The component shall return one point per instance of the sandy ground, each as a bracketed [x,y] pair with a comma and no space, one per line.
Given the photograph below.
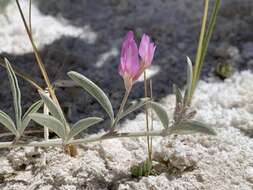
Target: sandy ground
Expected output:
[221,162]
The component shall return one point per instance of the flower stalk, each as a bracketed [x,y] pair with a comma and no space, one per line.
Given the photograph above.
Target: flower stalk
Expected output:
[121,109]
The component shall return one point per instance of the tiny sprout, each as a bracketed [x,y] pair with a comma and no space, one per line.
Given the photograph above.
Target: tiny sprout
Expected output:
[142,169]
[224,70]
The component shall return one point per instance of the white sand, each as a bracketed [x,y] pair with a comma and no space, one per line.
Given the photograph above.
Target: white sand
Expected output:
[222,162]
[13,38]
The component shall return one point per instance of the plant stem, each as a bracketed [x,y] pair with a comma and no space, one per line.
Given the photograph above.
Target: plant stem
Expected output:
[209,33]
[146,114]
[38,59]
[37,56]
[30,15]
[58,142]
[199,50]
[46,112]
[152,114]
[121,109]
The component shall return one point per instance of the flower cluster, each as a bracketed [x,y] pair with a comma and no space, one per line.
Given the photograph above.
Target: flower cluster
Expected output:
[131,67]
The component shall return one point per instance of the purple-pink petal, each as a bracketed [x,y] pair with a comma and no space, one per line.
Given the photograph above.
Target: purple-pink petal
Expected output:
[129,61]
[146,50]
[151,51]
[132,60]
[143,49]
[127,39]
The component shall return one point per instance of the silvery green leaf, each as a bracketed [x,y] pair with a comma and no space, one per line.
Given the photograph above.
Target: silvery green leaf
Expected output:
[179,94]
[82,125]
[15,93]
[93,90]
[7,122]
[50,122]
[54,109]
[161,113]
[189,80]
[134,106]
[190,127]
[26,119]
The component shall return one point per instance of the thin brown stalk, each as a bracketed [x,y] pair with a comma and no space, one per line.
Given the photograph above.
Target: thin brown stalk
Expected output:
[30,16]
[39,60]
[37,56]
[152,115]
[146,114]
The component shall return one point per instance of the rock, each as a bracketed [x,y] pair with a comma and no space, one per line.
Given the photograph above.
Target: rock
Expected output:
[249,174]
[250,64]
[247,50]
[118,157]
[227,51]
[178,154]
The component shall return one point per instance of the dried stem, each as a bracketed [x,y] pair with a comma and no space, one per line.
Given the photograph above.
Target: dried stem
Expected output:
[46,112]
[152,115]
[30,16]
[146,114]
[37,56]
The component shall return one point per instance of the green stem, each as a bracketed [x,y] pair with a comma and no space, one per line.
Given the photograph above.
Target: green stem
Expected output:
[209,33]
[121,109]
[198,55]
[58,142]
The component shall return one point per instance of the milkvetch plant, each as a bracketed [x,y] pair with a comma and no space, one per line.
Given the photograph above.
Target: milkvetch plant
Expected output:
[134,61]
[130,70]
[182,121]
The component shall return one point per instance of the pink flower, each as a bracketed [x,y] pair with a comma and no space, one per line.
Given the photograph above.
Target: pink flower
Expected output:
[129,61]
[146,51]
